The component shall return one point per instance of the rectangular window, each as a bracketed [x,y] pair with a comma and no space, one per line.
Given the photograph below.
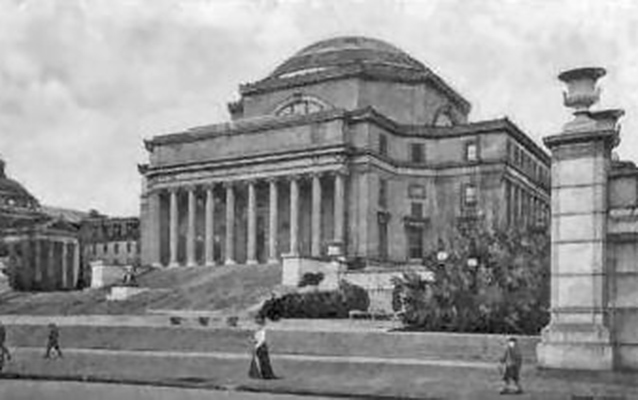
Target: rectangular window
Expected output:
[383,144]
[128,247]
[105,247]
[415,242]
[416,210]
[469,195]
[383,193]
[471,151]
[116,248]
[416,191]
[417,153]
[383,237]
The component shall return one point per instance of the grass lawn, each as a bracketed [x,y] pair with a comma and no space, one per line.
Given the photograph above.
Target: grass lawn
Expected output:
[231,288]
[321,377]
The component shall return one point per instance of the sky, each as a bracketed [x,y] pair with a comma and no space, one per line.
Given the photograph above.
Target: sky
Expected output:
[83,82]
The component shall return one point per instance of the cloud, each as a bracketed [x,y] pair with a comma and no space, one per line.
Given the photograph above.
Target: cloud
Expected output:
[84,81]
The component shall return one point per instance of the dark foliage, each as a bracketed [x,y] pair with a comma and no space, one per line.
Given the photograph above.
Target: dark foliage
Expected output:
[506,292]
[311,279]
[328,304]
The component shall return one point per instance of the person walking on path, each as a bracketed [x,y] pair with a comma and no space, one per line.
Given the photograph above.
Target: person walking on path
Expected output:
[512,361]
[4,352]
[53,341]
[260,367]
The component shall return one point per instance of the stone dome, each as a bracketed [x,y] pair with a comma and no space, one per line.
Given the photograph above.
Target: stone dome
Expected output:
[12,193]
[345,51]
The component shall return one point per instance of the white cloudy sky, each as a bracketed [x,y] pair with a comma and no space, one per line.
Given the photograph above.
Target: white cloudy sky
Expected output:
[83,82]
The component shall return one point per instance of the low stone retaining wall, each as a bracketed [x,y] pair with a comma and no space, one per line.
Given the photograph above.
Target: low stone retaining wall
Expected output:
[342,343]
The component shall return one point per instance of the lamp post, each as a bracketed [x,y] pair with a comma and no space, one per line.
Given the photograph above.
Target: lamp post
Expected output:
[441,254]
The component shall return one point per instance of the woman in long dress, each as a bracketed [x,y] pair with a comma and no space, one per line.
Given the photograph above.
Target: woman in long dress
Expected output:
[260,367]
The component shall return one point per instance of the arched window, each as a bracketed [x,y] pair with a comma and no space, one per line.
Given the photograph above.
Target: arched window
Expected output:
[300,105]
[444,117]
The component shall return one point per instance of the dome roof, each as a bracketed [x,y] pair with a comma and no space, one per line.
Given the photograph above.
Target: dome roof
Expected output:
[11,189]
[343,51]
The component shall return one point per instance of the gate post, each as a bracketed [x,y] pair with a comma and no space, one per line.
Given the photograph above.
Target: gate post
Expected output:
[578,335]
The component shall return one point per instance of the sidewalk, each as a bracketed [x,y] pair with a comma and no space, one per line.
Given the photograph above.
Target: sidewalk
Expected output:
[359,377]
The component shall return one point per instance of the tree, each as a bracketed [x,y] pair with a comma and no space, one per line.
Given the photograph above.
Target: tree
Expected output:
[505,291]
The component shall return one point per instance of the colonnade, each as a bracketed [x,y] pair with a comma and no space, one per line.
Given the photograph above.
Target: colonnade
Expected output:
[46,270]
[230,188]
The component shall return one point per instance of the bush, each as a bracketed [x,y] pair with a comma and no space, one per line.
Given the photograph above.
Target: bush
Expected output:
[311,279]
[508,292]
[328,304]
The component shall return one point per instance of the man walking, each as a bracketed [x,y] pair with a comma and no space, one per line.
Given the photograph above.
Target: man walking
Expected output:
[53,342]
[4,352]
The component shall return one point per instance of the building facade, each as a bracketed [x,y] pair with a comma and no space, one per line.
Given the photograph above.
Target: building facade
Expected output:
[350,140]
[114,240]
[41,252]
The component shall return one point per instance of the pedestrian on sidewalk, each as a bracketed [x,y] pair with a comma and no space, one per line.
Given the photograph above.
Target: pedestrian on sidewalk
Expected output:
[53,341]
[511,363]
[4,352]
[260,367]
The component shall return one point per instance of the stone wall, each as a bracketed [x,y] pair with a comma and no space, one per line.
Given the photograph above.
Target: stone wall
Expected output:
[622,259]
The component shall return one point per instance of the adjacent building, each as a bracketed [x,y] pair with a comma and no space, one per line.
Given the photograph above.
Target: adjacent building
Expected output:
[349,141]
[41,252]
[113,240]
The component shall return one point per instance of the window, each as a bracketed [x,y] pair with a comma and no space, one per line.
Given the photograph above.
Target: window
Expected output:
[303,106]
[471,151]
[116,248]
[469,195]
[382,225]
[415,241]
[128,247]
[416,210]
[416,191]
[417,153]
[383,144]
[383,193]
[105,248]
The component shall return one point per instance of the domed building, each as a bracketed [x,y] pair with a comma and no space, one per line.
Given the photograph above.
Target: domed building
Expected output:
[16,203]
[350,142]
[41,252]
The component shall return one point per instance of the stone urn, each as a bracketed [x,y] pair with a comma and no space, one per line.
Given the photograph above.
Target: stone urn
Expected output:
[582,91]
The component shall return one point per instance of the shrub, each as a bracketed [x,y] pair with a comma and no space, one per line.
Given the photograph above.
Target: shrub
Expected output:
[508,292]
[326,304]
[311,279]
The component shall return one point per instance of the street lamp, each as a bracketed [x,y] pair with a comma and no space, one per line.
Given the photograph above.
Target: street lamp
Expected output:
[441,254]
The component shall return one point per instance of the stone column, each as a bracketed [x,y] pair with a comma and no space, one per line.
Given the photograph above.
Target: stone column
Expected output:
[251,257]
[190,232]
[315,249]
[65,265]
[230,221]
[294,216]
[578,335]
[209,244]
[173,228]
[150,228]
[38,262]
[51,267]
[272,224]
[339,202]
[76,264]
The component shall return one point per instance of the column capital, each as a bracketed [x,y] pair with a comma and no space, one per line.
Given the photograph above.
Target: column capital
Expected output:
[209,186]
[340,172]
[173,189]
[273,179]
[229,184]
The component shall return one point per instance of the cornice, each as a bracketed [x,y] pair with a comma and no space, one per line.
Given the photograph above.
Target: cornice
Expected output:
[244,126]
[609,136]
[362,71]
